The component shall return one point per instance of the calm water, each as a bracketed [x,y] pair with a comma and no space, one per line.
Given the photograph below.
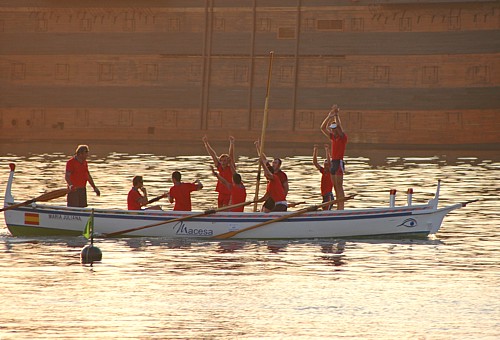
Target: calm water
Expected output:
[446,287]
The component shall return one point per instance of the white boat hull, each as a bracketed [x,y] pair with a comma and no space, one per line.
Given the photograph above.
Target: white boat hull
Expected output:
[44,220]
[48,220]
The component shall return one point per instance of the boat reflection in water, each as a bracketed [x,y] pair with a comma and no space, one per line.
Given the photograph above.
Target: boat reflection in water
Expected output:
[334,252]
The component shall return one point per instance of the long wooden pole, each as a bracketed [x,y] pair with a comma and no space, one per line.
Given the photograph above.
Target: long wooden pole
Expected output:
[264,127]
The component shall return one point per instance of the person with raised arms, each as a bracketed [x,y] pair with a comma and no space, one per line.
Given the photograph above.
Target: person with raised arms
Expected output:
[275,197]
[332,129]
[223,165]
[237,188]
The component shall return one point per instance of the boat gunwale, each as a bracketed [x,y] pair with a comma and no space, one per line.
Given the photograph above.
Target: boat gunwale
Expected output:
[156,215]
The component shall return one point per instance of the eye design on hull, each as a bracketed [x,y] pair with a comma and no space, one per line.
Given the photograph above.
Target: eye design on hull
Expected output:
[409,223]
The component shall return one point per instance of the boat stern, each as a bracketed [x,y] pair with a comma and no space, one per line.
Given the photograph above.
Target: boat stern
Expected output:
[8,193]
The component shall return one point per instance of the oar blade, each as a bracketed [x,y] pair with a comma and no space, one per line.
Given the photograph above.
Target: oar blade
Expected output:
[42,198]
[51,195]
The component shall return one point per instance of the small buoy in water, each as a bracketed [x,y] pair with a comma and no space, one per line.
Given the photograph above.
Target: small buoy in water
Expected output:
[90,254]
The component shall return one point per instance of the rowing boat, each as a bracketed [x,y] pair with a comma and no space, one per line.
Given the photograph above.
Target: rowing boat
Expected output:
[35,219]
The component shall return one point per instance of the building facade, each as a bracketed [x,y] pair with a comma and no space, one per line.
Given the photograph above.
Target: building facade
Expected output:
[412,73]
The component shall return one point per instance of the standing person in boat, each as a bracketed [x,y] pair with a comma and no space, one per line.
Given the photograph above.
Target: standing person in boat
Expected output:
[223,164]
[180,192]
[237,188]
[332,128]
[326,179]
[77,176]
[136,200]
[275,197]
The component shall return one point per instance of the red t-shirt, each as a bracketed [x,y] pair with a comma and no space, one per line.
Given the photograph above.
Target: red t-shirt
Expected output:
[338,146]
[238,195]
[275,189]
[181,193]
[79,172]
[282,176]
[326,181]
[132,199]
[227,174]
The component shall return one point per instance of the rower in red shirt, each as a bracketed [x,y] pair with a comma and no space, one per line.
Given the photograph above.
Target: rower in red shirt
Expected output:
[136,200]
[275,197]
[180,192]
[326,179]
[236,187]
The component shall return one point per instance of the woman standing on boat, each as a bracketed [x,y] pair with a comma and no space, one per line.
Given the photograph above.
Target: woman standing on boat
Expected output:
[77,176]
[332,129]
[223,163]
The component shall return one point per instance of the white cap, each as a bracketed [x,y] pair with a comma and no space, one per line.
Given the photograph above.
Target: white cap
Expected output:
[333,126]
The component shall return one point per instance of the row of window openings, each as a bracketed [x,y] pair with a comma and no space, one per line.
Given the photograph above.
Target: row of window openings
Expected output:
[306,119]
[381,74]
[263,25]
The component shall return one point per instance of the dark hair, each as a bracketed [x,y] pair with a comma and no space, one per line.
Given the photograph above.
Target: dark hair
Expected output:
[176,175]
[279,160]
[237,178]
[136,180]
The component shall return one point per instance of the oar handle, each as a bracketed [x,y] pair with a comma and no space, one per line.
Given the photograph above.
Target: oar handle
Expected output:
[467,202]
[237,205]
[155,199]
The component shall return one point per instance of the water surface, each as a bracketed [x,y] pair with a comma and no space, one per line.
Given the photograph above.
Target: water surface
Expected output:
[445,287]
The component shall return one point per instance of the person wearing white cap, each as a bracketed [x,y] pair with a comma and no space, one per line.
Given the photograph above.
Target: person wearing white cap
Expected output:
[332,129]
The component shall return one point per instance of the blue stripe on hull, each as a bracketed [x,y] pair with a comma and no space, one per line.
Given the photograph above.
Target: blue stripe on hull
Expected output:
[226,219]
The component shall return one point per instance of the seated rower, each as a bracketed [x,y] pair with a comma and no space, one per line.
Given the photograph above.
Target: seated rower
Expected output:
[326,179]
[180,192]
[136,200]
[275,196]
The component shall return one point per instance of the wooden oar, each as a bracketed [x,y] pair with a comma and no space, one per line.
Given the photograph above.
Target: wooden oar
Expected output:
[293,205]
[155,199]
[203,213]
[42,198]
[264,125]
[281,218]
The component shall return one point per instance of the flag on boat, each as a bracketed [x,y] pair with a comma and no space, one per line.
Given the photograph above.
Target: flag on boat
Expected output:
[30,218]
[89,227]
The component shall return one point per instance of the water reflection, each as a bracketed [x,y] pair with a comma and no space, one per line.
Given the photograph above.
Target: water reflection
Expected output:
[276,246]
[334,253]
[230,246]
